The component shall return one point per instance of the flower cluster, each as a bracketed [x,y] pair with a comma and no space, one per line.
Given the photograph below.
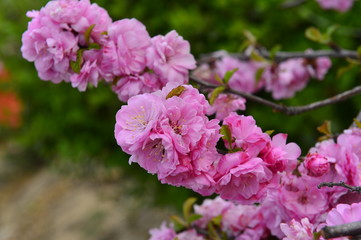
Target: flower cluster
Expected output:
[292,207]
[168,134]
[76,41]
[283,80]
[338,5]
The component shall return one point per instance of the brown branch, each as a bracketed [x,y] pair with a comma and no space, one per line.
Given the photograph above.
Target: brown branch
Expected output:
[349,229]
[341,184]
[282,56]
[288,110]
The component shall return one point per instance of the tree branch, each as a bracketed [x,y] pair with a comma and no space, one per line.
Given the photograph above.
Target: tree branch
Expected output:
[348,229]
[288,110]
[341,184]
[282,56]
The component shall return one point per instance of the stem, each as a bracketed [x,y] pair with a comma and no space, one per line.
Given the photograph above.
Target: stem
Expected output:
[288,110]
[348,229]
[341,184]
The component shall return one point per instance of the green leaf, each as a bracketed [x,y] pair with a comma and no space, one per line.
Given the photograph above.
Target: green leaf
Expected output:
[341,71]
[226,132]
[325,128]
[217,220]
[188,207]
[235,150]
[256,57]
[357,122]
[313,34]
[250,37]
[215,93]
[76,65]
[218,78]
[194,217]
[88,32]
[178,222]
[269,132]
[94,46]
[213,232]
[228,75]
[176,92]
[330,30]
[259,74]
[317,235]
[274,51]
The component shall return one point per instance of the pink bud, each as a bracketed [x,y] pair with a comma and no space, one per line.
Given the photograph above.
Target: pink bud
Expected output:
[316,164]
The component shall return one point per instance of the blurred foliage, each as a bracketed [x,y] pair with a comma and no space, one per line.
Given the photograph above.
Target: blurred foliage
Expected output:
[61,123]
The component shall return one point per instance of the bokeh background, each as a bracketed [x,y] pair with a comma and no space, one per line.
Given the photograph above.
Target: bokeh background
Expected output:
[62,174]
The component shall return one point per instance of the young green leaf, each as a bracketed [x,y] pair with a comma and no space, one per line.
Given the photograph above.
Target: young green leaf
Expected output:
[269,132]
[313,34]
[325,128]
[215,93]
[274,51]
[357,122]
[176,92]
[188,208]
[213,232]
[76,65]
[228,75]
[218,78]
[259,74]
[194,217]
[87,33]
[179,223]
[256,57]
[217,220]
[226,132]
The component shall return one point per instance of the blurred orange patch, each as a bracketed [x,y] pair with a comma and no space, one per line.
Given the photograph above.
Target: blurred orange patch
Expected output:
[10,110]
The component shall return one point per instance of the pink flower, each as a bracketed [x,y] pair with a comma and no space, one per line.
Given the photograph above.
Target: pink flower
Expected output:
[89,72]
[66,11]
[242,178]
[162,233]
[189,235]
[301,198]
[280,156]
[344,213]
[248,136]
[93,15]
[183,123]
[135,121]
[339,5]
[170,58]
[124,50]
[320,67]
[211,208]
[157,155]
[295,230]
[238,218]
[132,85]
[316,164]
[225,104]
[289,77]
[244,79]
[50,48]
